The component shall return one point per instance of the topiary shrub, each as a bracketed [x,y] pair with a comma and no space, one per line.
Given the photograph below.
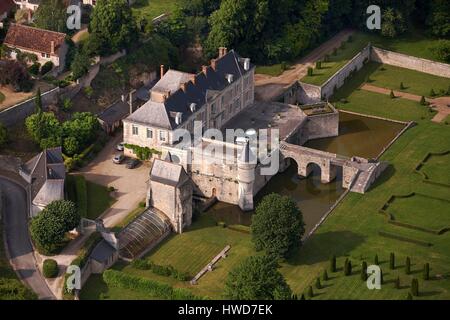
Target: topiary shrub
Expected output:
[318,65]
[375,260]
[318,284]
[402,87]
[397,283]
[310,71]
[50,268]
[34,69]
[392,261]
[347,267]
[392,95]
[408,265]
[364,271]
[325,275]
[426,271]
[423,102]
[415,287]
[333,263]
[310,292]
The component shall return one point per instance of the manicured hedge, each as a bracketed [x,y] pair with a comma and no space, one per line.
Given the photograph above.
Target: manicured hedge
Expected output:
[162,270]
[154,289]
[410,240]
[50,268]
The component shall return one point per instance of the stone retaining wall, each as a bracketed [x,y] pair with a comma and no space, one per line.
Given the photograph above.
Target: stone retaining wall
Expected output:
[410,62]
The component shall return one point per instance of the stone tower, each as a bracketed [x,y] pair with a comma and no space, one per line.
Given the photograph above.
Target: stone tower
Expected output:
[246,177]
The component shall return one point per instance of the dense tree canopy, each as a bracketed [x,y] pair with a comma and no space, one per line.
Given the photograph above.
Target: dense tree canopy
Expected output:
[277,225]
[257,278]
[112,26]
[15,74]
[51,15]
[50,226]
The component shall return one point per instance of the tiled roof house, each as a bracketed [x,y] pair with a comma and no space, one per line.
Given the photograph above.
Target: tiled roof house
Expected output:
[45,44]
[213,97]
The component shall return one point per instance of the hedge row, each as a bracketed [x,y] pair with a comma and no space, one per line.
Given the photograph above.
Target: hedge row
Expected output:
[152,288]
[162,270]
[401,238]
[81,195]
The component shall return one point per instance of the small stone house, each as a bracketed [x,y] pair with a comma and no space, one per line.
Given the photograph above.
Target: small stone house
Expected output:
[46,45]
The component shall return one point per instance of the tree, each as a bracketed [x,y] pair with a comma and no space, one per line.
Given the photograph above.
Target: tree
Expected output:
[3,135]
[80,64]
[364,271]
[408,265]
[15,74]
[50,226]
[333,263]
[439,18]
[44,128]
[441,50]
[51,15]
[257,278]
[392,261]
[426,271]
[50,268]
[277,225]
[415,287]
[112,25]
[393,23]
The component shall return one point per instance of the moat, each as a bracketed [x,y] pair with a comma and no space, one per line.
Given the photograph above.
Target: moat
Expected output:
[358,136]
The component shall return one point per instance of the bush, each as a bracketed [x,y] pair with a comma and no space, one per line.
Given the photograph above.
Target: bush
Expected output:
[408,265]
[152,288]
[50,268]
[432,93]
[88,91]
[46,67]
[423,102]
[392,261]
[441,50]
[319,65]
[426,271]
[34,69]
[310,71]
[415,287]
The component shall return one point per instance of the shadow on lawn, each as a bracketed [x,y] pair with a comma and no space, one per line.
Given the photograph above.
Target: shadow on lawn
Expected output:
[320,247]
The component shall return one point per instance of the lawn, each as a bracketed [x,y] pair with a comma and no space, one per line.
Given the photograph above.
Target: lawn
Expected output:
[273,70]
[99,200]
[437,168]
[150,9]
[414,82]
[422,211]
[345,53]
[11,288]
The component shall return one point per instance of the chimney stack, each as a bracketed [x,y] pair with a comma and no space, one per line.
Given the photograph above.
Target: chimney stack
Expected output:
[222,51]
[52,47]
[213,64]
[204,69]
[162,70]
[183,86]
[193,79]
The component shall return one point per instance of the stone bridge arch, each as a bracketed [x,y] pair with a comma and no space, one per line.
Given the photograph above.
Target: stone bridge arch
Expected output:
[305,165]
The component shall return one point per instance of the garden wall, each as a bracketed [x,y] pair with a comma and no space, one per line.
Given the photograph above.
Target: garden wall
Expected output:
[410,62]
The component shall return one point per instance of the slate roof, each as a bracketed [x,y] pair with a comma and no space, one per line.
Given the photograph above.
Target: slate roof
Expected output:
[160,114]
[115,112]
[102,252]
[167,173]
[47,174]
[33,39]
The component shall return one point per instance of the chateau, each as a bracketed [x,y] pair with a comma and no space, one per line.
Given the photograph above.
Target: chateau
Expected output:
[232,170]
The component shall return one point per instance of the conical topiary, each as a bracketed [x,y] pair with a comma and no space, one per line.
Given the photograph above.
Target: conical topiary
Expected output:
[415,287]
[333,263]
[392,261]
[426,271]
[408,265]
[310,292]
[318,284]
[364,271]
[375,260]
[325,275]
[397,283]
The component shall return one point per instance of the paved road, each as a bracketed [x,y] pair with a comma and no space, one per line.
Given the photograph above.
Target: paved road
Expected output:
[18,240]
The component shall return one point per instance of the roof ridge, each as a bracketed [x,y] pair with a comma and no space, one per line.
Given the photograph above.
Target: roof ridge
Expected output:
[35,28]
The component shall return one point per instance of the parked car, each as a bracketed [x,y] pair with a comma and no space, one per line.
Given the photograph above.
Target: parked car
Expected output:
[132,163]
[118,158]
[120,146]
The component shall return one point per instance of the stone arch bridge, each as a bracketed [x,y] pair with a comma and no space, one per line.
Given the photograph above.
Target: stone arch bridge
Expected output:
[357,173]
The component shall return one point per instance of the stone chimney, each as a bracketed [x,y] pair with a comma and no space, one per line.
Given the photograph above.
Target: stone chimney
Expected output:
[214,64]
[193,79]
[222,51]
[159,96]
[162,71]
[52,47]
[184,86]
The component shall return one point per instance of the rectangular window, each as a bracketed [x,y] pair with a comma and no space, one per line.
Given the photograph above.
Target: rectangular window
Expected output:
[135,130]
[162,136]
[149,133]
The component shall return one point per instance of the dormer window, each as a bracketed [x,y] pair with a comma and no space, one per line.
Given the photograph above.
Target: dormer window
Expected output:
[193,107]
[229,78]
[178,118]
